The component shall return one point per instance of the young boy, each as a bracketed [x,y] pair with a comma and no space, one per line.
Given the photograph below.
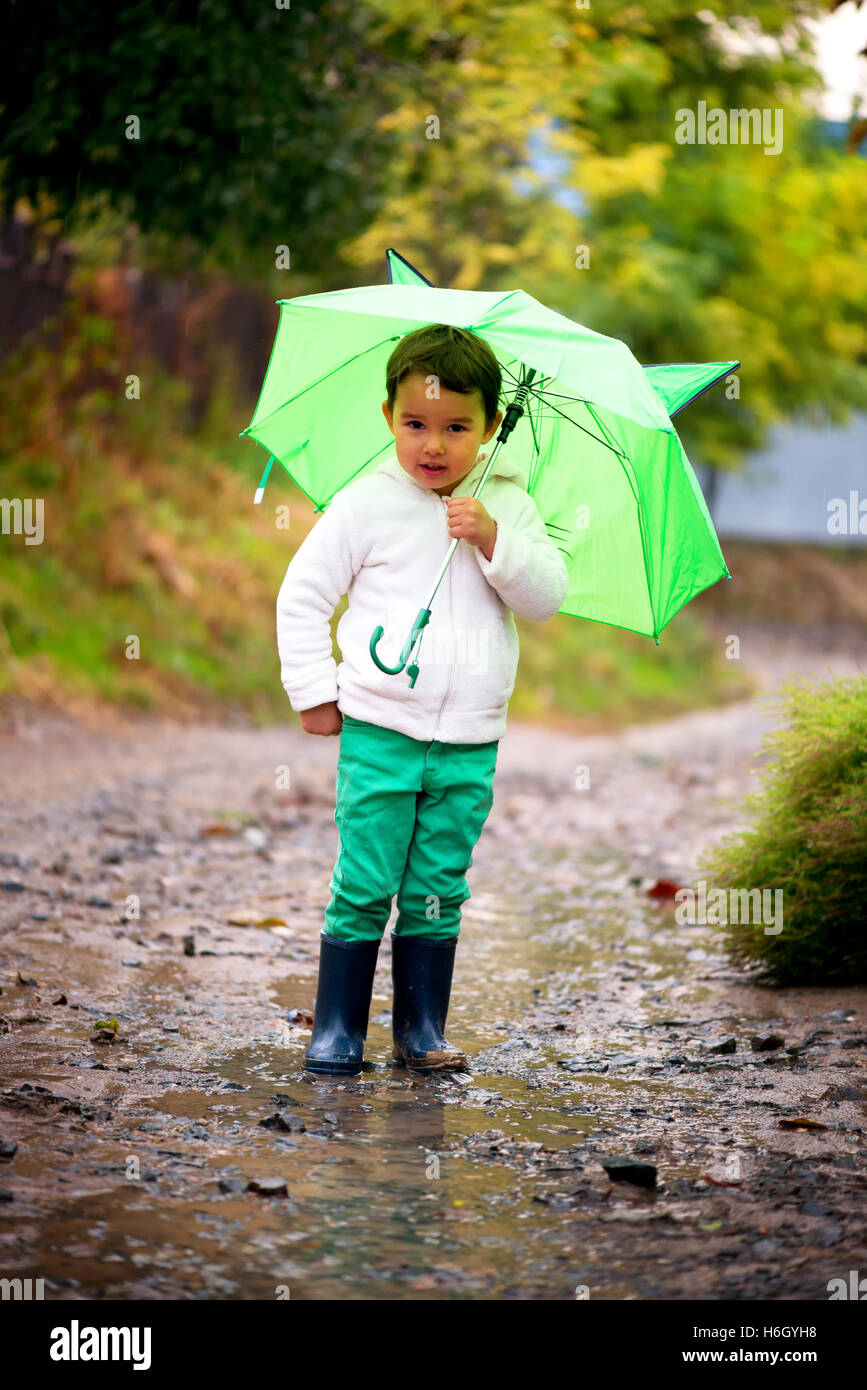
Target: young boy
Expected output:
[416,764]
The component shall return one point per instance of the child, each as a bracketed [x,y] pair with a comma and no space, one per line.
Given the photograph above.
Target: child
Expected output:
[416,764]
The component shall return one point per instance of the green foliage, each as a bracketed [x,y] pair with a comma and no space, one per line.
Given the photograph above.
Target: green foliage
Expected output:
[148,533]
[736,255]
[312,127]
[808,837]
[244,140]
[697,252]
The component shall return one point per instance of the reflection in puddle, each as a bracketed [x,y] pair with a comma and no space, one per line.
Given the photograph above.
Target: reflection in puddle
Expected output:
[385,1197]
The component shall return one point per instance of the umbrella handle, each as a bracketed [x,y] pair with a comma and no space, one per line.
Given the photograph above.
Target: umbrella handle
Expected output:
[421,620]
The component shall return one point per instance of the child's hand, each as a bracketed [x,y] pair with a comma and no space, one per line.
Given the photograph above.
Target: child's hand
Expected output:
[469,521]
[322,719]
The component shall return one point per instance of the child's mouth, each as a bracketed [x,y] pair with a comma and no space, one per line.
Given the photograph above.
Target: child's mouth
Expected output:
[433,469]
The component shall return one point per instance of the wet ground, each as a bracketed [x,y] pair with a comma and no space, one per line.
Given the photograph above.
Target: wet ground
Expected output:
[597,1027]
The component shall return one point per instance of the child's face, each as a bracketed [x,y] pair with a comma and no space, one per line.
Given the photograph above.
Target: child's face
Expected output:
[446,433]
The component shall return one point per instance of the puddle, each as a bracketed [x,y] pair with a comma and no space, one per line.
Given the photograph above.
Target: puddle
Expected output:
[581,1008]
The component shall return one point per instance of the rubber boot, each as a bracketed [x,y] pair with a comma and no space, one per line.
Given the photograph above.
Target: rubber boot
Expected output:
[346,970]
[421,970]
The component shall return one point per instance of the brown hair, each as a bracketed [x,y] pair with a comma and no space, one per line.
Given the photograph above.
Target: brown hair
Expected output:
[461,360]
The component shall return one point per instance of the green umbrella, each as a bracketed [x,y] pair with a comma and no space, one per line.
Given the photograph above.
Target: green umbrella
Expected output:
[589,428]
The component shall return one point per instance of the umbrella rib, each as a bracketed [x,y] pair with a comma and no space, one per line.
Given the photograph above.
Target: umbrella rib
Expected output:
[536,443]
[617,452]
[544,398]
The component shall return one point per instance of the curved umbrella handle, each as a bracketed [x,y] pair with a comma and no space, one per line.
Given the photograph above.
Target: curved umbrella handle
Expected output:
[421,620]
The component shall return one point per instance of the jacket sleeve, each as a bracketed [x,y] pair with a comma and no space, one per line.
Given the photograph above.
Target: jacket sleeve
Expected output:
[527,570]
[319,573]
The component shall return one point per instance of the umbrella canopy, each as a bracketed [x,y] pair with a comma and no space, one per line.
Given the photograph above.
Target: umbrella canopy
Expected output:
[678,383]
[595,446]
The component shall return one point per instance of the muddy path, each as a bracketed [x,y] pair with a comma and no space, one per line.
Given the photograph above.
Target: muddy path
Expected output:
[169,878]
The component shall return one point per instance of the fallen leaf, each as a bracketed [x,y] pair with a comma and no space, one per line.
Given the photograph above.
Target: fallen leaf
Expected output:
[301,1016]
[663,888]
[801,1123]
[245,917]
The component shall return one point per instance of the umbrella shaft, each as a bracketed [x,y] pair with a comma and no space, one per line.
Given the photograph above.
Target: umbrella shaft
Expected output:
[451,550]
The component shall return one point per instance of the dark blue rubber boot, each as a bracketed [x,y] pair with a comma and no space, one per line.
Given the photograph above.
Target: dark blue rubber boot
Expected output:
[421,969]
[346,970]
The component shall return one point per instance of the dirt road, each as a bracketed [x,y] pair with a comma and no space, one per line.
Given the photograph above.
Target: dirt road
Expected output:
[169,877]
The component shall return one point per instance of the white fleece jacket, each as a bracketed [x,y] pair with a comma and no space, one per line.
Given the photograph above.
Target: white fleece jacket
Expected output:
[382,540]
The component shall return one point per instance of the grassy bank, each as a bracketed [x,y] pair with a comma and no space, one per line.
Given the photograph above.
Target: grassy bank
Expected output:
[155,584]
[803,850]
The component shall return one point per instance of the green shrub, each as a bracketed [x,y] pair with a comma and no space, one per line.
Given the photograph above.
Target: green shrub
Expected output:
[808,838]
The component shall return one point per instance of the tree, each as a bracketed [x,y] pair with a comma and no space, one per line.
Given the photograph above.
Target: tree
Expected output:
[222,127]
[344,128]
[696,252]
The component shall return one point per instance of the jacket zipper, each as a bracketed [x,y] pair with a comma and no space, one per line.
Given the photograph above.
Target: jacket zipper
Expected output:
[451,618]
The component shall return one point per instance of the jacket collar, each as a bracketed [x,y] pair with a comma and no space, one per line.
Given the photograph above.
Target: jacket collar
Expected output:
[503,468]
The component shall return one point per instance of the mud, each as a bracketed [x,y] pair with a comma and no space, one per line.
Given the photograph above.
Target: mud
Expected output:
[596,1027]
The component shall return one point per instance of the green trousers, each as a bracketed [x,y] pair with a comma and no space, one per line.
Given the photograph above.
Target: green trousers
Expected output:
[409,815]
